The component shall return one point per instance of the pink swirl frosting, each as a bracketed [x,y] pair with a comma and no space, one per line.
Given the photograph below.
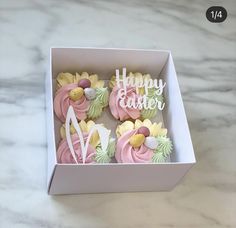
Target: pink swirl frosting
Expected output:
[125,153]
[62,103]
[64,154]
[120,112]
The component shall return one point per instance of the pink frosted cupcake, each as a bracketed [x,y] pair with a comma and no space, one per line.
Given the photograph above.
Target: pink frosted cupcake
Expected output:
[85,93]
[123,113]
[64,155]
[128,102]
[95,154]
[142,142]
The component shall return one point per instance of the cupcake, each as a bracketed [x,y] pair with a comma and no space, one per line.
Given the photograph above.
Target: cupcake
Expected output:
[85,93]
[142,142]
[95,153]
[134,102]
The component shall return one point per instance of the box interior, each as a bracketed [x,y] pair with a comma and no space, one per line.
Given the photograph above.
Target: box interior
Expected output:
[104,62]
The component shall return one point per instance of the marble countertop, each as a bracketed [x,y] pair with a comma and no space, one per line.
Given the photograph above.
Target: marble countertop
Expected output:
[205,56]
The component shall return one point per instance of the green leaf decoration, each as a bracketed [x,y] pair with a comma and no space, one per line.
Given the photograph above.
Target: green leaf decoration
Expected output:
[102,96]
[95,109]
[163,150]
[150,113]
[164,146]
[111,148]
[152,94]
[158,158]
[102,156]
[96,105]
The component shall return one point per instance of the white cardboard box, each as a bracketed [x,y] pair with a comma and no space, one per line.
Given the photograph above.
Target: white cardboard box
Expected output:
[114,177]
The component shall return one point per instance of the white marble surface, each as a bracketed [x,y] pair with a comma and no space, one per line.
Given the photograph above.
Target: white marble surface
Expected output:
[205,56]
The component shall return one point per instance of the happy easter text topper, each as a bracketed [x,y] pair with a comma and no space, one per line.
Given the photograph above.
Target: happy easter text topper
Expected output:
[136,95]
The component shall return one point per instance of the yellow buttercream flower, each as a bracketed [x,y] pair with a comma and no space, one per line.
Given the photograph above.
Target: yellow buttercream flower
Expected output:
[124,127]
[85,127]
[154,128]
[67,78]
[112,81]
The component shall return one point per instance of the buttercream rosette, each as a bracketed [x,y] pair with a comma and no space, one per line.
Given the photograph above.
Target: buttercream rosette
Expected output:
[142,142]
[85,93]
[95,153]
[125,113]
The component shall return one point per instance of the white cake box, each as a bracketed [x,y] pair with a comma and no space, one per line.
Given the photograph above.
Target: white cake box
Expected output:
[116,177]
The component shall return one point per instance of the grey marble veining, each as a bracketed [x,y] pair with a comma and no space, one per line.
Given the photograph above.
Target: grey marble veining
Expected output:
[205,58]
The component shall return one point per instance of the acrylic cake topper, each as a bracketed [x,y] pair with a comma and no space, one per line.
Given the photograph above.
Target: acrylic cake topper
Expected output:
[143,101]
[102,132]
